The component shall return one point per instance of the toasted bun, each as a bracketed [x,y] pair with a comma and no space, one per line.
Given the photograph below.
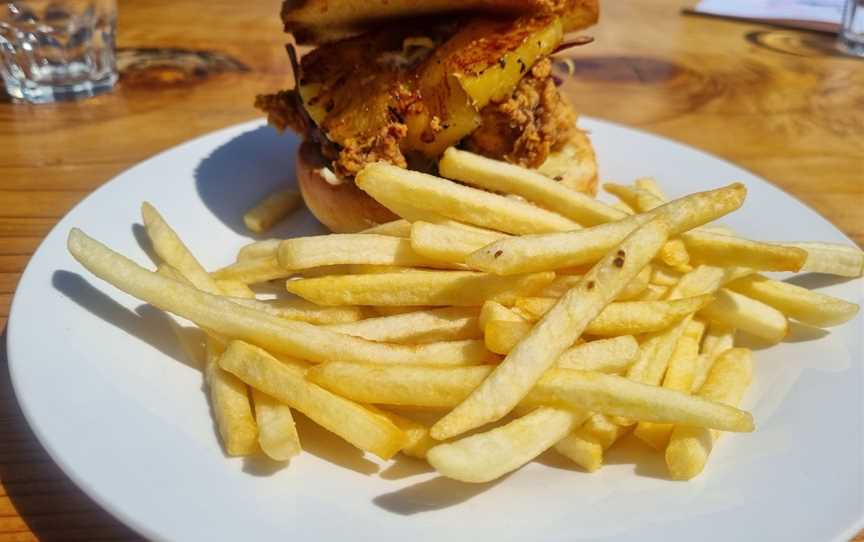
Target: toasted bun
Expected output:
[344,208]
[320,21]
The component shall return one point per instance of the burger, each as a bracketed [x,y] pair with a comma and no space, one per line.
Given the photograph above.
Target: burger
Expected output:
[400,81]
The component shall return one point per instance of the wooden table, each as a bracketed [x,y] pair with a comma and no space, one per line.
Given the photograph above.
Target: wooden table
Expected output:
[777,102]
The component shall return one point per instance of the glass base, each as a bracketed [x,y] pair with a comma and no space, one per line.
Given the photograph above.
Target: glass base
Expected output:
[850,46]
[41,94]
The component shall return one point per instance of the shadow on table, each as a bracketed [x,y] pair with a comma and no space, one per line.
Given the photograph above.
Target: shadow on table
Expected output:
[242,171]
[50,505]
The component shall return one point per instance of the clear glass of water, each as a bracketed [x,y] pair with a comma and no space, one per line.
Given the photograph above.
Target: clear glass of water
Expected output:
[58,49]
[851,37]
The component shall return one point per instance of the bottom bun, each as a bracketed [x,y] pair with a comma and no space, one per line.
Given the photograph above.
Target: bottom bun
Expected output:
[344,208]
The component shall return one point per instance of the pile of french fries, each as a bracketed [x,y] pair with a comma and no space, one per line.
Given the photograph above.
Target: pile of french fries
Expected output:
[516,314]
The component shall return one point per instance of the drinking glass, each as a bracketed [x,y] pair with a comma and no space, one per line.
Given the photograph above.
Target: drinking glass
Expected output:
[58,49]
[851,37]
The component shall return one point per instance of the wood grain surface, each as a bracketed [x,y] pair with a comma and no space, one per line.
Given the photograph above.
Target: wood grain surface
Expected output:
[780,103]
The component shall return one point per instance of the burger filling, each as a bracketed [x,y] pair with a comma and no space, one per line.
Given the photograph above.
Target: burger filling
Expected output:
[403,96]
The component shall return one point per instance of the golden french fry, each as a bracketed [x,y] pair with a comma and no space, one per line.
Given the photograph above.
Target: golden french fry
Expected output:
[747,314]
[675,253]
[665,276]
[808,307]
[558,329]
[584,452]
[304,311]
[284,381]
[277,434]
[396,228]
[635,197]
[253,271]
[560,250]
[601,429]
[423,326]
[492,311]
[679,376]
[349,248]
[625,317]
[233,288]
[271,210]
[831,258]
[501,177]
[447,243]
[444,387]
[486,456]
[650,185]
[725,250]
[418,442]
[563,282]
[653,292]
[718,339]
[258,250]
[395,310]
[434,288]
[689,446]
[169,247]
[386,182]
[613,355]
[226,317]
[230,403]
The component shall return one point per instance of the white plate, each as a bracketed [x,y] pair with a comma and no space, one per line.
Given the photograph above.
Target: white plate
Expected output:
[101,381]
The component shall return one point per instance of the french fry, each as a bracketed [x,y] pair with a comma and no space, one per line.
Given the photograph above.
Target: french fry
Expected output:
[498,176]
[223,316]
[230,403]
[650,185]
[718,339]
[811,308]
[583,451]
[447,243]
[674,253]
[831,258]
[621,318]
[285,382]
[665,276]
[492,310]
[258,249]
[418,442]
[253,271]
[423,326]
[625,317]
[639,199]
[462,203]
[304,311]
[271,210]
[747,314]
[396,228]
[432,288]
[689,447]
[679,376]
[233,288]
[613,355]
[560,250]
[277,434]
[170,248]
[349,248]
[653,292]
[486,456]
[634,288]
[445,387]
[728,251]
[559,328]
